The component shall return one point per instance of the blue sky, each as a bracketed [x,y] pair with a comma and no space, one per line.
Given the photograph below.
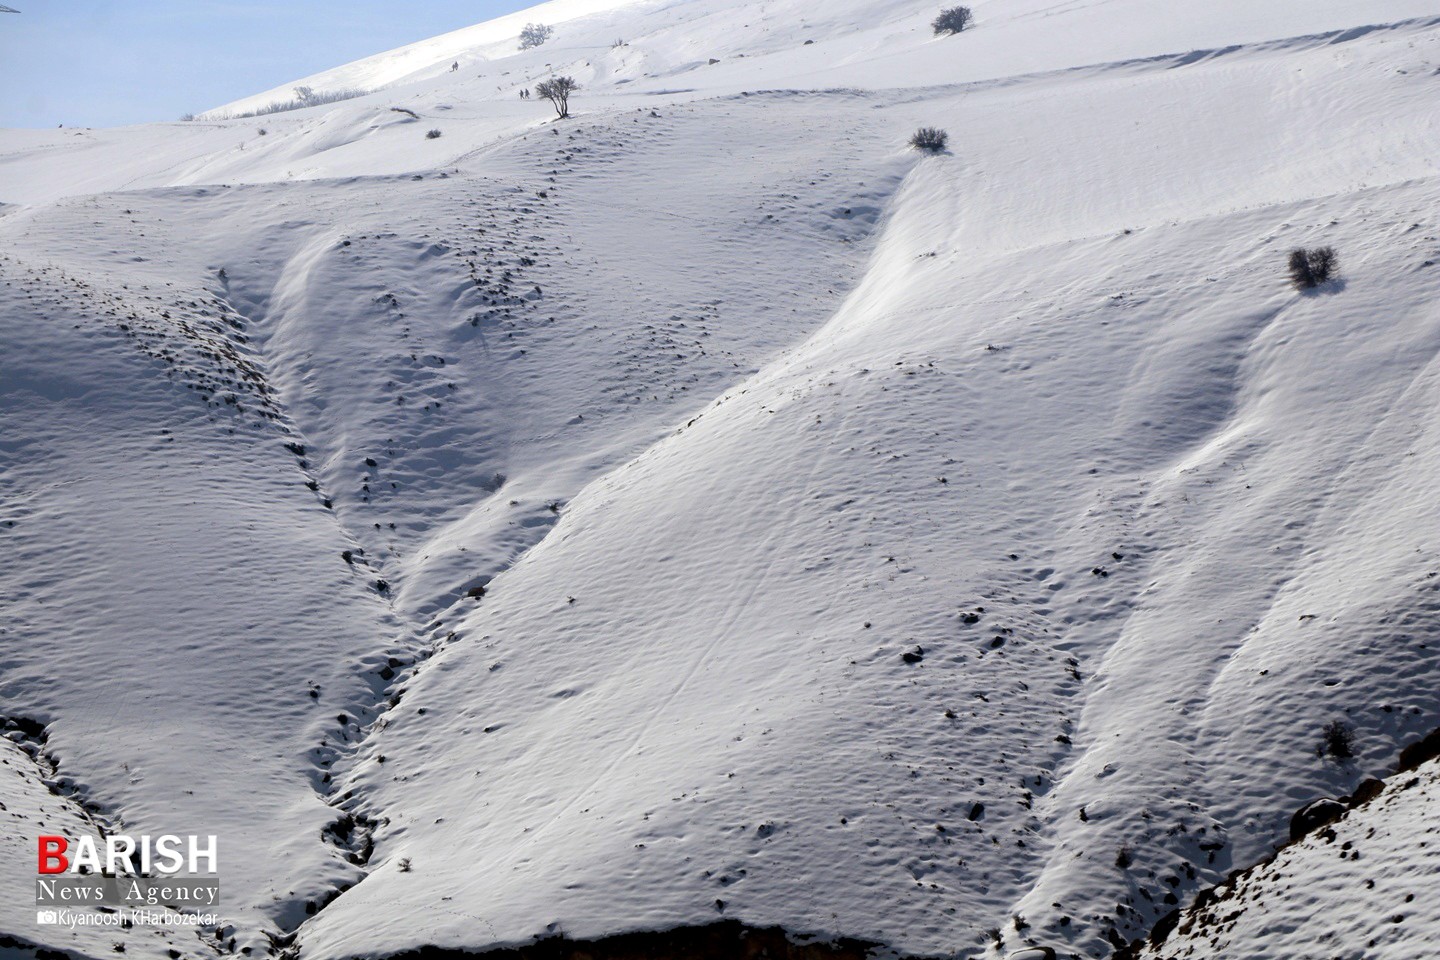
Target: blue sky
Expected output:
[106,63]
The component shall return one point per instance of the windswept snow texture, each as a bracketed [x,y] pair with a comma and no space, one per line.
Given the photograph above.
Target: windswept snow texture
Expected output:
[1357,888]
[706,508]
[33,802]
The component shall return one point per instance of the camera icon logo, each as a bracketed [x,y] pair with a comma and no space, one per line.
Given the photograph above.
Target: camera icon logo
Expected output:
[47,917]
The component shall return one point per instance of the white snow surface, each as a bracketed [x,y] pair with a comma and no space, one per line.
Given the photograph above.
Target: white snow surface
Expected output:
[726,401]
[28,809]
[1356,889]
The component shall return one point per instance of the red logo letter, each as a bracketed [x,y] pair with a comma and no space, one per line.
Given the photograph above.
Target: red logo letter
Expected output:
[52,854]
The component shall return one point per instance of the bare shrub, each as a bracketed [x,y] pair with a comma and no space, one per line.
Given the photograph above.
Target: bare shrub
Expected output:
[931,139]
[953,20]
[1337,740]
[309,99]
[1310,268]
[1323,263]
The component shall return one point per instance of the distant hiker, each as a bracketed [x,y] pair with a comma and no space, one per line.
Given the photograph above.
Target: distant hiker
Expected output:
[454,67]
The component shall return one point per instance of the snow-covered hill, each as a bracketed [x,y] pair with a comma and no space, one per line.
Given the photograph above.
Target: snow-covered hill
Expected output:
[705,507]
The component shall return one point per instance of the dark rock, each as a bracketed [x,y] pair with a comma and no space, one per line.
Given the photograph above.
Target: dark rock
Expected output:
[1368,790]
[1165,925]
[1315,815]
[1422,751]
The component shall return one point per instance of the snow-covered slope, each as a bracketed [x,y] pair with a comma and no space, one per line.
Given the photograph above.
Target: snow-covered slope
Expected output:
[650,45]
[1357,885]
[32,803]
[705,507]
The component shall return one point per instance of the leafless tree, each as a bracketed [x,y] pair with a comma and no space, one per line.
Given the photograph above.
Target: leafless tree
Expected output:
[558,90]
[953,20]
[534,35]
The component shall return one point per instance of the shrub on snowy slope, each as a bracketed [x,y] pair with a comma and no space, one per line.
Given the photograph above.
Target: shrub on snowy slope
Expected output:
[1310,268]
[932,139]
[952,20]
[304,97]
[1338,738]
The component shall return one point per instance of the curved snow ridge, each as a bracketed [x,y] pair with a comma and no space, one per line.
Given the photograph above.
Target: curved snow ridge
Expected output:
[1173,60]
[673,695]
[1298,42]
[444,306]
